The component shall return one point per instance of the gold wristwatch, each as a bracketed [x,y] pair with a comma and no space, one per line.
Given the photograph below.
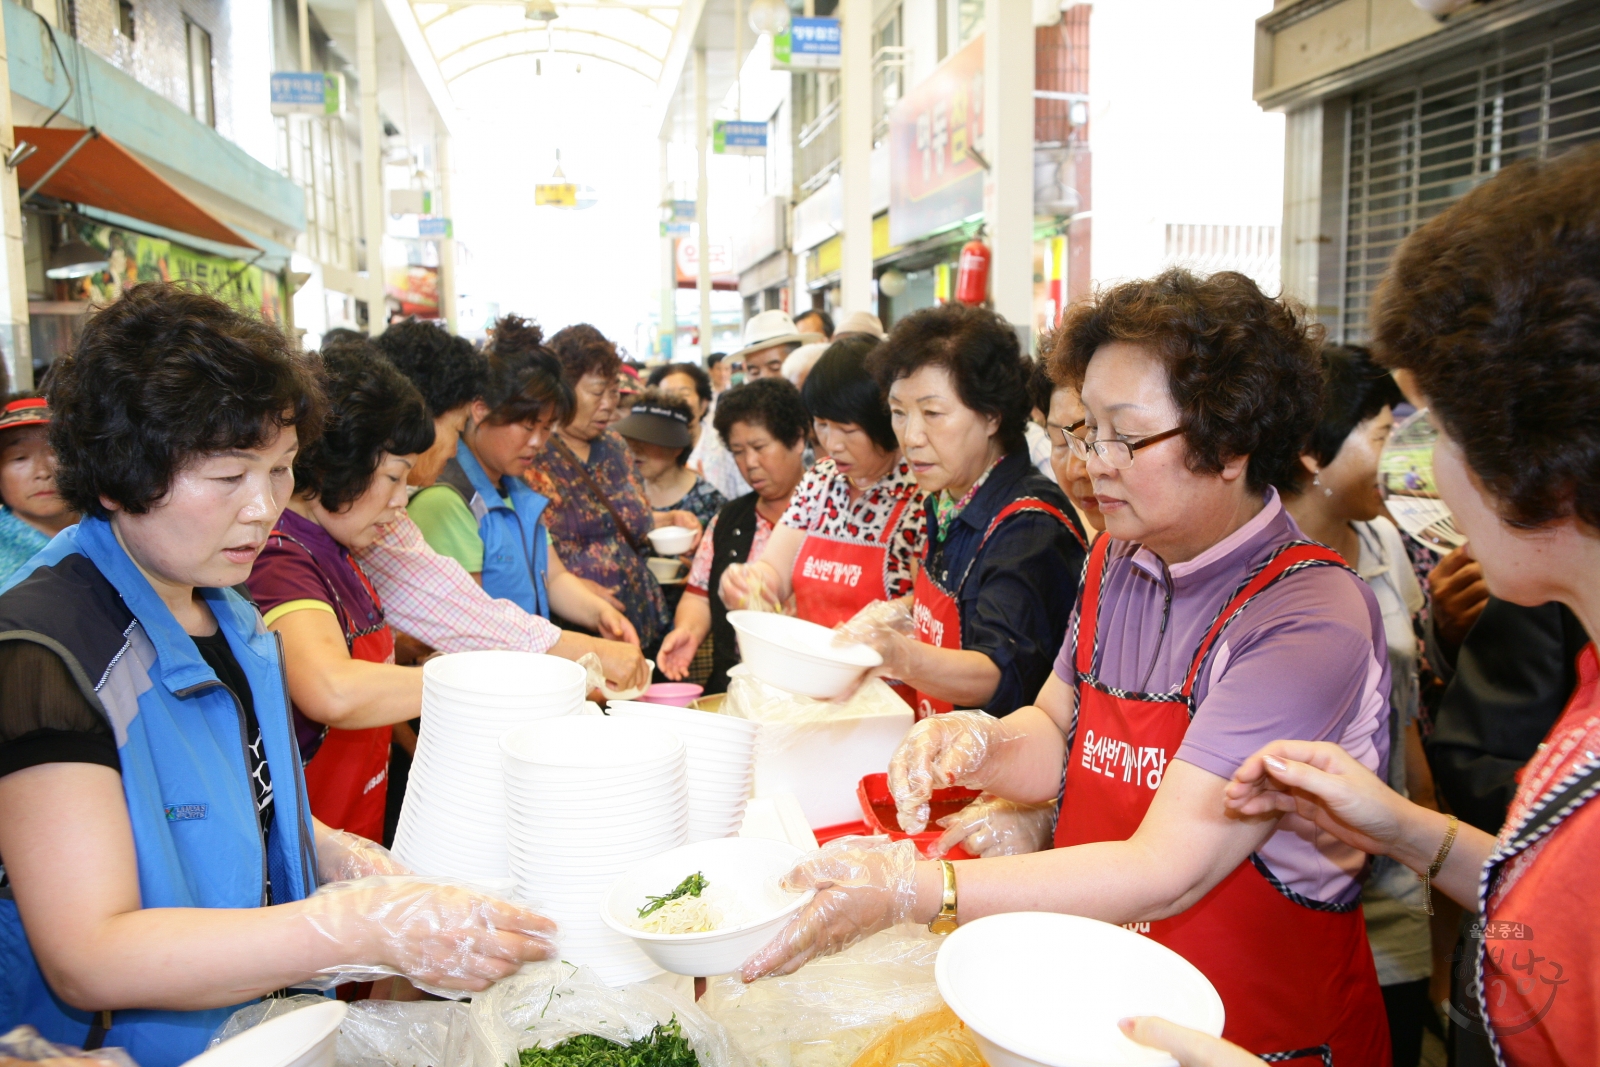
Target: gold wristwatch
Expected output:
[945,921]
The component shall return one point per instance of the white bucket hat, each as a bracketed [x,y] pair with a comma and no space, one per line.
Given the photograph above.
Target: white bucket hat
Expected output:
[772,328]
[861,322]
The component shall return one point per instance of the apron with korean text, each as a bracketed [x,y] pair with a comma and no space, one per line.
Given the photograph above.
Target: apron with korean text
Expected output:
[1295,975]
[937,612]
[835,577]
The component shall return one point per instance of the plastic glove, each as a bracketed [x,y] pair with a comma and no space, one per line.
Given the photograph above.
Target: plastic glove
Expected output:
[994,826]
[344,857]
[442,935]
[863,884]
[748,587]
[957,748]
[879,619]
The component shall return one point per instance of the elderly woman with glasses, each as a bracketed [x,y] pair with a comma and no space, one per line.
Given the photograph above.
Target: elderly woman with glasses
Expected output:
[1205,627]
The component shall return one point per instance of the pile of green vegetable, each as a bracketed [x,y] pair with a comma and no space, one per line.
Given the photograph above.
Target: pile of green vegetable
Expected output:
[691,886]
[663,1047]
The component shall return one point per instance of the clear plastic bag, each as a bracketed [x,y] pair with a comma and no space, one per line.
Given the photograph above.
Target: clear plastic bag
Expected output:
[377,1033]
[828,1012]
[937,1039]
[550,1002]
[24,1045]
[751,698]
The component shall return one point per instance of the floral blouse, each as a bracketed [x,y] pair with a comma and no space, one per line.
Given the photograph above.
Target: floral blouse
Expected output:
[586,538]
[821,503]
[703,502]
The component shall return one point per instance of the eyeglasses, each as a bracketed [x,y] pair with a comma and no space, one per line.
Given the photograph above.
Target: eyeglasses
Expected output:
[1118,454]
[1059,434]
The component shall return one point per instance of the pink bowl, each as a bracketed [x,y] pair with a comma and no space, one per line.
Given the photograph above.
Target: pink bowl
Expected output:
[675,694]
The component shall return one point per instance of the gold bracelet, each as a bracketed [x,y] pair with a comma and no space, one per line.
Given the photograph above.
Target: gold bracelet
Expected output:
[945,921]
[1438,863]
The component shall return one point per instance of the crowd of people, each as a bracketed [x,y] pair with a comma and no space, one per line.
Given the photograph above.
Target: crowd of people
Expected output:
[1140,591]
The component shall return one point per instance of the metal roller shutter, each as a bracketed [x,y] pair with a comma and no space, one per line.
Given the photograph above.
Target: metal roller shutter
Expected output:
[1417,143]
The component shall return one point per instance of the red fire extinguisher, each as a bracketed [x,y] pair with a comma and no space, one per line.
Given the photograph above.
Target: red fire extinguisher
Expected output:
[972,273]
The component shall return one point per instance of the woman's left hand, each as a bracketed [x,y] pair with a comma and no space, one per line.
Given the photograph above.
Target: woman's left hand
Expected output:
[884,626]
[344,857]
[1190,1047]
[685,519]
[614,626]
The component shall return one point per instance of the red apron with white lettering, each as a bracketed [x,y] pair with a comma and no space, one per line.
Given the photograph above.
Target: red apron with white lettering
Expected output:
[937,613]
[835,577]
[1296,975]
[346,780]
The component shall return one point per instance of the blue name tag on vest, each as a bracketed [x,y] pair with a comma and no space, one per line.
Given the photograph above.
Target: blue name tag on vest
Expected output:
[184,812]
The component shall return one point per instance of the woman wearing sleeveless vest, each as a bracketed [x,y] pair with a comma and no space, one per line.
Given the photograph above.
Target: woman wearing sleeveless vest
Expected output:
[161,863]
[1205,625]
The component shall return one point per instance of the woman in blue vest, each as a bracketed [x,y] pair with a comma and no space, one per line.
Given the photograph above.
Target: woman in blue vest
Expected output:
[483,514]
[160,858]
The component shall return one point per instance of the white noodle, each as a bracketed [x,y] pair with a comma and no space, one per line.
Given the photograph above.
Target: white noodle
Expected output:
[686,915]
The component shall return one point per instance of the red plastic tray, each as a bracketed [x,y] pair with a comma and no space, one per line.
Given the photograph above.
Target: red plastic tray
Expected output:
[877,807]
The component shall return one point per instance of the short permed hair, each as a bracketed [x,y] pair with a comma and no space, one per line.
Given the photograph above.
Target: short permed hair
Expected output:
[161,379]
[841,388]
[773,403]
[524,379]
[1354,390]
[1494,307]
[702,380]
[584,350]
[446,370]
[372,409]
[1243,368]
[980,352]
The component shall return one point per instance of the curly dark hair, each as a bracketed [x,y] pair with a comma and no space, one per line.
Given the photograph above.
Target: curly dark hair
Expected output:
[773,403]
[702,380]
[1494,307]
[524,380]
[1354,390]
[446,370]
[1243,368]
[841,388]
[161,378]
[584,350]
[978,349]
[372,409]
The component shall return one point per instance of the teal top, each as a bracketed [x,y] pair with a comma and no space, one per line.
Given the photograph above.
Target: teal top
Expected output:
[19,542]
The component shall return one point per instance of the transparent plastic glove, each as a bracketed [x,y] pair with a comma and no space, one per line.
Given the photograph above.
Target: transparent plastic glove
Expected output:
[746,587]
[993,826]
[957,748]
[876,621]
[595,674]
[863,884]
[344,857]
[441,935]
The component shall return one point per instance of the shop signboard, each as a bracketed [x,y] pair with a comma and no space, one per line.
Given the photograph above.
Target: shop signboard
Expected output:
[416,288]
[686,254]
[434,228]
[810,44]
[132,258]
[739,138]
[305,93]
[935,180]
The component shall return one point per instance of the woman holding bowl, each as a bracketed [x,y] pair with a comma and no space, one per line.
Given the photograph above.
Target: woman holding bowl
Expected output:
[1206,625]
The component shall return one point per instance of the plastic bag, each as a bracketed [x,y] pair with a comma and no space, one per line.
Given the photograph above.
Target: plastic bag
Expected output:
[550,1002]
[24,1045]
[937,1039]
[751,698]
[828,1012]
[377,1033]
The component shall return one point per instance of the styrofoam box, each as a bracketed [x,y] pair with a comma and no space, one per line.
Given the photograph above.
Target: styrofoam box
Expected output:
[822,763]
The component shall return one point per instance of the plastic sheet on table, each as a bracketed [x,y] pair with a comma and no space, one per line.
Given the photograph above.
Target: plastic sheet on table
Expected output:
[829,1011]
[377,1033]
[751,698]
[549,1002]
[23,1044]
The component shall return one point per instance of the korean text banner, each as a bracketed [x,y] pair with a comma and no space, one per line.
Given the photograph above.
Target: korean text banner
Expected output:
[934,179]
[133,258]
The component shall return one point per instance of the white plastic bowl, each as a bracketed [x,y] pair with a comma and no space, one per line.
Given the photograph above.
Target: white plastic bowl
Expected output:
[711,723]
[503,673]
[590,743]
[671,540]
[744,870]
[1045,990]
[799,656]
[303,1038]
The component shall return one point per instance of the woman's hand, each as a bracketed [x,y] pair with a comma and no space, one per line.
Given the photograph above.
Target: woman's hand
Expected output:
[622,663]
[679,517]
[1190,1047]
[993,826]
[1459,594]
[614,626]
[884,626]
[344,857]
[1321,782]
[441,935]
[602,592]
[863,884]
[677,652]
[748,586]
[958,748]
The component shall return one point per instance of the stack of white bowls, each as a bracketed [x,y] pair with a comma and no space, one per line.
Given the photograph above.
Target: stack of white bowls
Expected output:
[453,822]
[721,762]
[588,798]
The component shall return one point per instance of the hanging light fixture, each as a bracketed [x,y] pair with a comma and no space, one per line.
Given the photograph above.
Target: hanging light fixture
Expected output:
[74,258]
[769,16]
[539,11]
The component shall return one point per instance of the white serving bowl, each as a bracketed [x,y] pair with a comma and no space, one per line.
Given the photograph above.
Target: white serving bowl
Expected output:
[712,724]
[303,1038]
[503,673]
[745,870]
[1023,983]
[671,540]
[798,656]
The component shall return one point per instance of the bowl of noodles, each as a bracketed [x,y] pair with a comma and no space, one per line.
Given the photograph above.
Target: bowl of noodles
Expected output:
[703,909]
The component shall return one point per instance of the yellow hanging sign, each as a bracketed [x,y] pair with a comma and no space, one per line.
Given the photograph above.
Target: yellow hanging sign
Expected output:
[563,194]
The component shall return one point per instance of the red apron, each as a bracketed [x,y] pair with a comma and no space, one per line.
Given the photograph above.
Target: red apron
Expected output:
[937,613]
[835,577]
[1296,976]
[346,779]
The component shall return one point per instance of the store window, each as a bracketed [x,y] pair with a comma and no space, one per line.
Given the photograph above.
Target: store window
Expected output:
[202,104]
[1418,142]
[125,18]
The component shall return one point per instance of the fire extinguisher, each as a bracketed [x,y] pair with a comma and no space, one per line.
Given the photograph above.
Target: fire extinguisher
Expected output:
[972,273]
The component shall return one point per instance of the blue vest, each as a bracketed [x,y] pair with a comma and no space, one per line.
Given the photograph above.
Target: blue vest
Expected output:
[180,738]
[516,553]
